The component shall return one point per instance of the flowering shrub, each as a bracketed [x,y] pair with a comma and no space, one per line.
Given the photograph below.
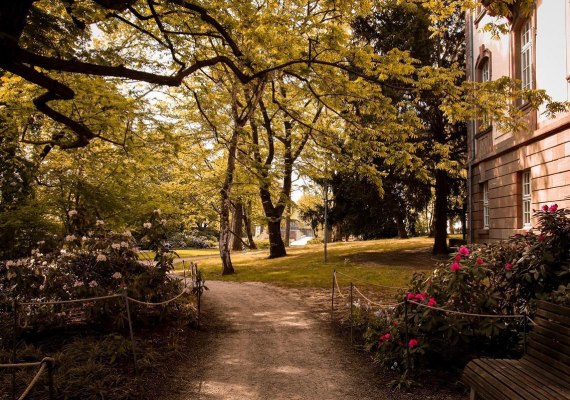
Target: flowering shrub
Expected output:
[502,278]
[100,263]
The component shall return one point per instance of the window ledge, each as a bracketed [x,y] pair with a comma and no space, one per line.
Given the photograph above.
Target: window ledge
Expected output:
[483,231]
[523,231]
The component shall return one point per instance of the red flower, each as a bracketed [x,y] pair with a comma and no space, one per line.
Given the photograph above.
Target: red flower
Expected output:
[420,297]
[464,251]
[545,208]
[385,338]
[479,261]
[411,296]
[432,302]
[455,267]
[508,266]
[458,258]
[541,237]
[394,323]
[553,208]
[412,343]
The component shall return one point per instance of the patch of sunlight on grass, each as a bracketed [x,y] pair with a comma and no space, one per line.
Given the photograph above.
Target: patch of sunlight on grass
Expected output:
[389,262]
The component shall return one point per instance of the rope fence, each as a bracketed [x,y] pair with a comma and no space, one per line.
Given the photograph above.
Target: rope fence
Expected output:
[47,363]
[384,307]
[196,287]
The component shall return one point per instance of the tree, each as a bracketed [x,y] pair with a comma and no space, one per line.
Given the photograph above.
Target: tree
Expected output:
[408,28]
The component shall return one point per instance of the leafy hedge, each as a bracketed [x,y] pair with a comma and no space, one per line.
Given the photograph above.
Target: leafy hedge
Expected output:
[100,263]
[501,278]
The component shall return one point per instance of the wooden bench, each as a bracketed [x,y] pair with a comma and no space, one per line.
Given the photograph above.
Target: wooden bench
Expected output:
[544,371]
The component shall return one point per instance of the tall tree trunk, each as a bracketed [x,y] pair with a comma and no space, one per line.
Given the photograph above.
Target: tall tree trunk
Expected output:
[276,244]
[225,234]
[237,226]
[288,225]
[400,224]
[248,231]
[451,228]
[440,212]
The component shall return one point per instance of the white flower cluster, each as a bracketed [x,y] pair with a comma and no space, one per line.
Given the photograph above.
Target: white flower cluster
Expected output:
[147,225]
[93,284]
[99,222]
[72,213]
[117,275]
[116,246]
[101,257]
[70,238]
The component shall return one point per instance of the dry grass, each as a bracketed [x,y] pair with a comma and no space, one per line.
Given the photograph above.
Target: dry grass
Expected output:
[389,262]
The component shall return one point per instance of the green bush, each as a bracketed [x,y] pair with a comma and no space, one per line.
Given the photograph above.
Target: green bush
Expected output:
[502,278]
[99,264]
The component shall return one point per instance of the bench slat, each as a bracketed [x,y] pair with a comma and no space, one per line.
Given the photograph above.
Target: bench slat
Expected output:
[560,319]
[542,374]
[550,352]
[561,337]
[555,308]
[537,368]
[549,339]
[484,392]
[541,383]
[540,321]
[545,363]
[486,385]
[522,388]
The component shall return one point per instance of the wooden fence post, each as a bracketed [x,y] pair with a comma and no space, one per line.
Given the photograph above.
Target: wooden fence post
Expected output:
[351,287]
[125,295]
[332,297]
[408,366]
[14,345]
[50,365]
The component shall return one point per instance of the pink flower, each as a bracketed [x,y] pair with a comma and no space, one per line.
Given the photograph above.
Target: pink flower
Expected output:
[457,258]
[425,294]
[479,261]
[432,302]
[508,266]
[455,267]
[553,208]
[394,323]
[420,297]
[411,296]
[545,208]
[464,251]
[385,338]
[412,343]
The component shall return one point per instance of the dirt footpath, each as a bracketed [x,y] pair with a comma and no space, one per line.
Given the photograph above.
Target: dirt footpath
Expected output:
[262,342]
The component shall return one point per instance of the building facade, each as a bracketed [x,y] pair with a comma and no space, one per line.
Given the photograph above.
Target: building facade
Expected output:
[512,174]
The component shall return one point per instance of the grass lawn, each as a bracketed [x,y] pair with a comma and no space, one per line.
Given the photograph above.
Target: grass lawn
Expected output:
[183,253]
[389,262]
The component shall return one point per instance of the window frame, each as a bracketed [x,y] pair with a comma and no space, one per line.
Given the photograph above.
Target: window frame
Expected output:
[525,53]
[486,214]
[526,199]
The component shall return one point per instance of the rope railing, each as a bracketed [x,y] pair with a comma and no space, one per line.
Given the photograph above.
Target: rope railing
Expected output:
[46,363]
[196,286]
[54,302]
[499,316]
[384,307]
[354,279]
[380,305]
[162,303]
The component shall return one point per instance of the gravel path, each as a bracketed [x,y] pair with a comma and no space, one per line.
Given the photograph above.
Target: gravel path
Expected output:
[262,342]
